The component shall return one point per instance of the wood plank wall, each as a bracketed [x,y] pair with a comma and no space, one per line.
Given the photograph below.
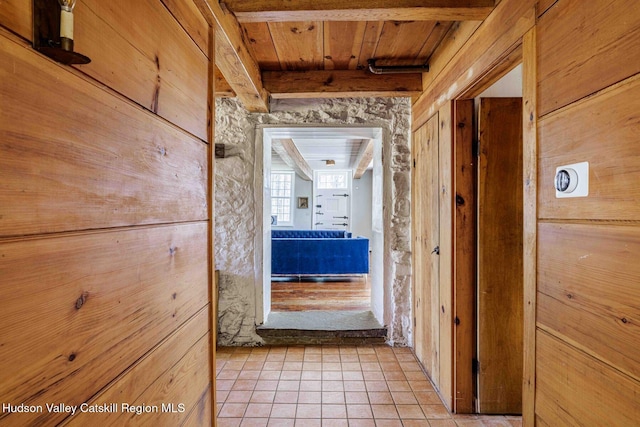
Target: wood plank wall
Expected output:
[582,346]
[105,236]
[588,274]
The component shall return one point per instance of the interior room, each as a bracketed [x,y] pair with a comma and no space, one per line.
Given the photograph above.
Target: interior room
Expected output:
[166,188]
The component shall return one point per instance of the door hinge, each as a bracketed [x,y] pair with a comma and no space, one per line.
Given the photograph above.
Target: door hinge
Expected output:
[475,368]
[414,163]
[456,320]
[414,322]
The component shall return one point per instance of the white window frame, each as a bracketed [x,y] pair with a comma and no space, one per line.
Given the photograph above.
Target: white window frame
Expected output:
[290,198]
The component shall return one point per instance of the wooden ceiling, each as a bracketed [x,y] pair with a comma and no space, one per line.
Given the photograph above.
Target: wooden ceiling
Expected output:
[320,48]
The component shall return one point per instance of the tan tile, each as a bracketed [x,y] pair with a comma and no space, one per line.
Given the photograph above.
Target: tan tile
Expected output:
[384,411]
[334,411]
[368,358]
[239,396]
[404,398]
[288,385]
[427,397]
[249,375]
[420,385]
[363,422]
[398,385]
[515,421]
[312,358]
[380,397]
[221,395]
[351,366]
[376,385]
[307,422]
[496,422]
[228,374]
[370,366]
[224,384]
[333,397]
[373,375]
[286,397]
[244,385]
[356,397]
[266,385]
[258,410]
[228,422]
[332,386]
[310,397]
[331,366]
[292,366]
[348,349]
[238,357]
[253,366]
[352,375]
[365,349]
[262,396]
[254,422]
[315,385]
[270,375]
[330,422]
[232,410]
[435,411]
[281,422]
[312,349]
[359,411]
[291,375]
[330,349]
[349,358]
[388,423]
[415,423]
[354,386]
[442,423]
[312,366]
[283,410]
[332,375]
[469,423]
[309,410]
[391,375]
[334,358]
[415,375]
[410,412]
[273,366]
[311,375]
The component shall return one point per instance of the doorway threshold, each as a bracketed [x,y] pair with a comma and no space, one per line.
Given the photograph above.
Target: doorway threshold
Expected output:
[322,327]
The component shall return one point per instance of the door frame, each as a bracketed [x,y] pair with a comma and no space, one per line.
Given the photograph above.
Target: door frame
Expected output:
[465,233]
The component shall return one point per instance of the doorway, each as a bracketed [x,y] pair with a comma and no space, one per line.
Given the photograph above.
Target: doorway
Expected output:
[488,236]
[374,280]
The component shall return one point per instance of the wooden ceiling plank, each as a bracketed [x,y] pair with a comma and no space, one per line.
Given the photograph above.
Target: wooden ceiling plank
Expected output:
[223,90]
[340,83]
[369,43]
[299,44]
[360,10]
[234,57]
[290,154]
[260,40]
[398,42]
[433,41]
[342,44]
[363,159]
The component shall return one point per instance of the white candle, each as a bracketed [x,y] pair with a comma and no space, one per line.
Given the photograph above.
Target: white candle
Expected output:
[66,24]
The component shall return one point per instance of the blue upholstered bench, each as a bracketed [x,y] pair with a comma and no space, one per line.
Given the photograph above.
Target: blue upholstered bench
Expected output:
[318,252]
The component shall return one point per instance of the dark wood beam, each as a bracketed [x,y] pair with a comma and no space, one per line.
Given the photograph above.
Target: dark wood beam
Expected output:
[234,58]
[339,84]
[363,159]
[360,10]
[290,154]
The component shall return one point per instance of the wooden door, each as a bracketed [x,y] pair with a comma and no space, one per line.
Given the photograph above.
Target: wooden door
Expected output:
[426,232]
[500,274]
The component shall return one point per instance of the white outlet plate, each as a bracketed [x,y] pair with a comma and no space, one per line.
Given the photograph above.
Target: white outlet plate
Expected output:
[582,189]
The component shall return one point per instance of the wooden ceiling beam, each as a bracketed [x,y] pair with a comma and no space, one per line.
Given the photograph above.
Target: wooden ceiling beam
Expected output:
[363,159]
[290,154]
[223,90]
[359,10]
[233,58]
[339,84]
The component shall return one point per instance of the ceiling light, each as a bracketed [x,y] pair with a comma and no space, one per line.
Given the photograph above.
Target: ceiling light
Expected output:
[330,162]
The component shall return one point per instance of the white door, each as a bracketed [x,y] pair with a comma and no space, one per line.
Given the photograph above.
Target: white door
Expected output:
[332,200]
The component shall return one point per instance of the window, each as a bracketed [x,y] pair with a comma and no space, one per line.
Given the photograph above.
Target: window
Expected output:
[282,196]
[333,180]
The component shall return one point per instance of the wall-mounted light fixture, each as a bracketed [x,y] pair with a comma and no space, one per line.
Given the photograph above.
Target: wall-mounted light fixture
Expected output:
[53,31]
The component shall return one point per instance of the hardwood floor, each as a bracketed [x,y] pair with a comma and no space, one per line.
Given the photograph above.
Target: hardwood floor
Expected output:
[320,293]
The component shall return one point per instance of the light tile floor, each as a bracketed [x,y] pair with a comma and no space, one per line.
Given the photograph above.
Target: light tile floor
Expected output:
[313,386]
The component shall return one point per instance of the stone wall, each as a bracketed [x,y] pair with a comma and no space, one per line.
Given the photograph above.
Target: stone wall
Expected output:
[238,223]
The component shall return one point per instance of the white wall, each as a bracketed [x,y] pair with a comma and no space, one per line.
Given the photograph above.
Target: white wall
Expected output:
[361,206]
